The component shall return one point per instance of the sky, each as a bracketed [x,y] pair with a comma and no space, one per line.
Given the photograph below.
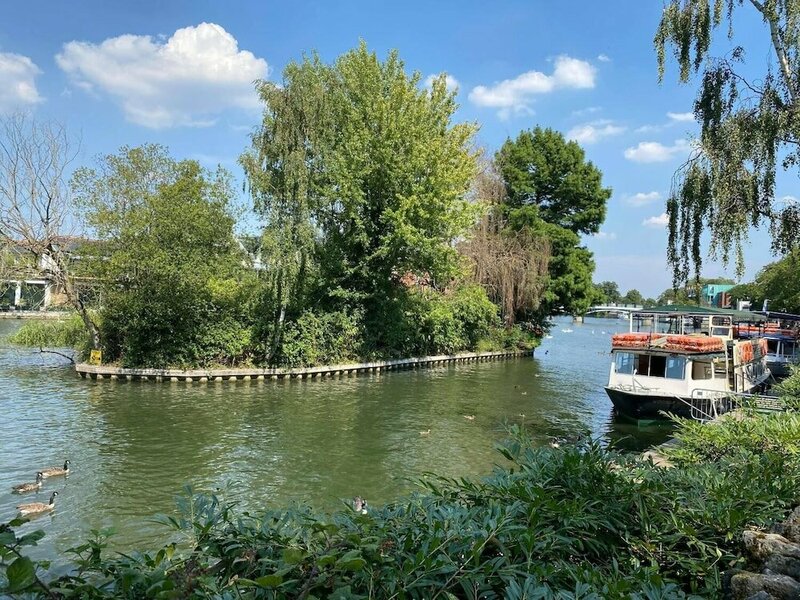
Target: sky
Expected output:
[181,73]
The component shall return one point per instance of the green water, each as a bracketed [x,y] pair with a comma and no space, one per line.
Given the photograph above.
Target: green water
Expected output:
[134,445]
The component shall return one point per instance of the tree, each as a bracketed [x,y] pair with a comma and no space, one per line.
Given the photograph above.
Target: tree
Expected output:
[610,291]
[777,282]
[174,288]
[359,163]
[749,126]
[633,297]
[553,192]
[36,209]
[542,169]
[512,266]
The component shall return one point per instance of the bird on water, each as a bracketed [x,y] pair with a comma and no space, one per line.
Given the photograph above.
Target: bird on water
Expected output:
[24,488]
[56,471]
[37,508]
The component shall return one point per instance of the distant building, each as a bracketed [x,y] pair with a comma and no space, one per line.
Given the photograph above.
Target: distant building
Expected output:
[716,294]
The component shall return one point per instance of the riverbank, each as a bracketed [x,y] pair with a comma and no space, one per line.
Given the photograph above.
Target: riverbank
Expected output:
[35,314]
[252,374]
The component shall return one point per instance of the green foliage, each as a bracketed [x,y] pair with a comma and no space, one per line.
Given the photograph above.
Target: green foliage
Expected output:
[749,129]
[553,192]
[542,169]
[175,291]
[322,339]
[608,291]
[738,437]
[576,522]
[777,282]
[360,171]
[68,333]
[789,389]
[420,322]
[570,287]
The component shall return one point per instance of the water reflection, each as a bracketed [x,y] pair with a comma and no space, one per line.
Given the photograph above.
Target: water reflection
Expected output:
[134,444]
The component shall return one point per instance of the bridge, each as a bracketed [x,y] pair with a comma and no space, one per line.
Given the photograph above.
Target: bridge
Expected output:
[618,309]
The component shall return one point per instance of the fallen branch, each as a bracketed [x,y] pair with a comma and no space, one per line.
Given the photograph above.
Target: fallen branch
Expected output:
[69,358]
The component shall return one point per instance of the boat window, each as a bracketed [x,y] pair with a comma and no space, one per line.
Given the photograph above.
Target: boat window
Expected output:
[658,366]
[642,364]
[772,346]
[720,369]
[675,367]
[720,320]
[623,362]
[701,370]
[721,331]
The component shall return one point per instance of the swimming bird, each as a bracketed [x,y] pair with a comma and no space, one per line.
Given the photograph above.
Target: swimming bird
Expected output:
[36,508]
[426,432]
[24,488]
[56,471]
[360,505]
[469,417]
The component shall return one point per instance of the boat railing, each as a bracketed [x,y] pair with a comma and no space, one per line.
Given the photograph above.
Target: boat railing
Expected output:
[727,401]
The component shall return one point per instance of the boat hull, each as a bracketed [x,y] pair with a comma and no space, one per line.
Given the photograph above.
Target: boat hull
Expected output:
[647,406]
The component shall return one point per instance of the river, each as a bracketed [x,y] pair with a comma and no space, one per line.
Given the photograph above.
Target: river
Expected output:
[133,445]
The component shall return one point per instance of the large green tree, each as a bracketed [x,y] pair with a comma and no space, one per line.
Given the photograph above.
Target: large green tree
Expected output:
[361,169]
[750,127]
[778,282]
[542,169]
[552,191]
[172,282]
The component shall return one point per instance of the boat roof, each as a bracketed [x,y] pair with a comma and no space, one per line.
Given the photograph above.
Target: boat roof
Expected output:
[680,310]
[771,314]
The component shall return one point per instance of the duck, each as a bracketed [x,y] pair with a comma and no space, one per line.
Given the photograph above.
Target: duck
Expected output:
[469,417]
[56,471]
[37,508]
[360,505]
[426,432]
[24,488]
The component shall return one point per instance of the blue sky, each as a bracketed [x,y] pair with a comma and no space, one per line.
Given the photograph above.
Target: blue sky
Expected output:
[180,73]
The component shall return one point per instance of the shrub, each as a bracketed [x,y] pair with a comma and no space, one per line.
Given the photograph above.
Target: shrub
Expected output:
[326,338]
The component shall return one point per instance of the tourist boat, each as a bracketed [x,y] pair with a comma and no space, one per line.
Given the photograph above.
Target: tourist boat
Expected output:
[782,333]
[685,361]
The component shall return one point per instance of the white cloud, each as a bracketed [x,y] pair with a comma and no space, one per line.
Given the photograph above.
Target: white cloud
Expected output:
[451,83]
[589,110]
[514,96]
[643,198]
[604,235]
[650,128]
[186,80]
[17,82]
[653,152]
[590,133]
[657,222]
[603,58]
[681,117]
[789,200]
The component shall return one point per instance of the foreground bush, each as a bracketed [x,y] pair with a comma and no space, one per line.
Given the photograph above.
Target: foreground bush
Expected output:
[582,522]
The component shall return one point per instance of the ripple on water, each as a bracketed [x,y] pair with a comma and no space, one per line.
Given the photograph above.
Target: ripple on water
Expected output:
[133,445]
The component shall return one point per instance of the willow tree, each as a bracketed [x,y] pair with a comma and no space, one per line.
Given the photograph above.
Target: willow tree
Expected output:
[361,168]
[512,266]
[750,128]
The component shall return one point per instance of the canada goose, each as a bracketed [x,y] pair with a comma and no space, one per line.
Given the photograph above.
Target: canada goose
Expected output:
[469,417]
[24,488]
[360,505]
[56,471]
[426,432]
[35,508]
